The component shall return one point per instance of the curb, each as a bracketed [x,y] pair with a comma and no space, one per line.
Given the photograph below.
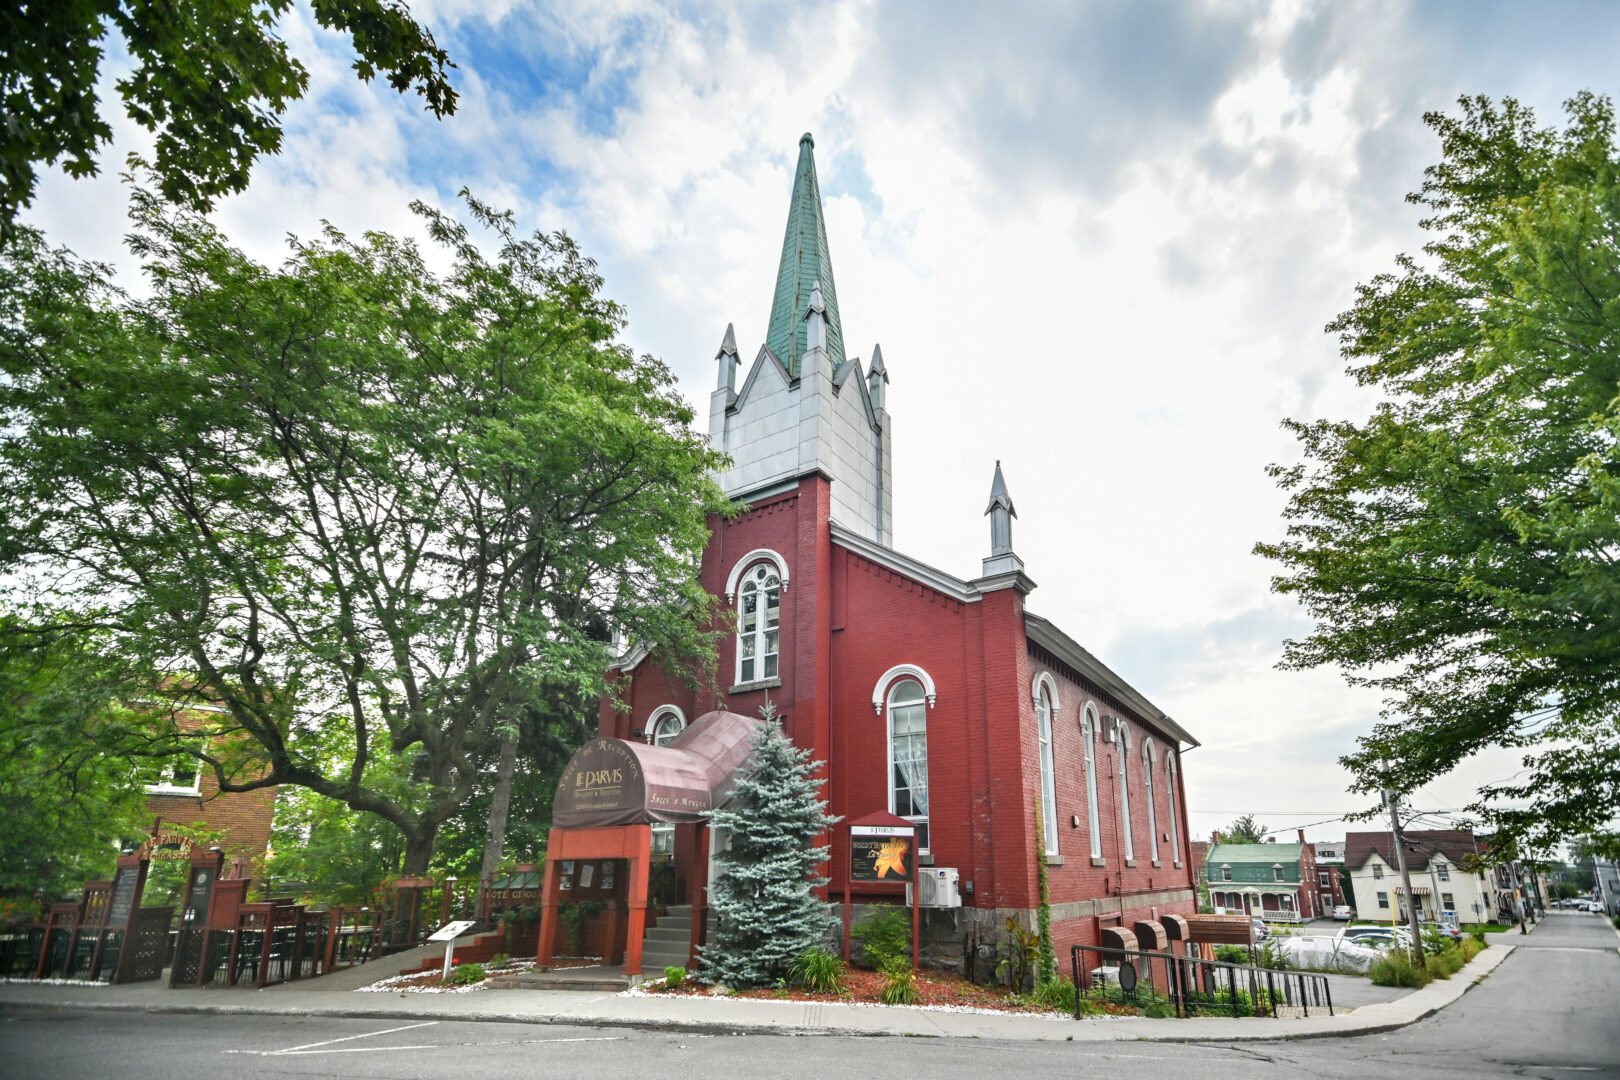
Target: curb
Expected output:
[1120,1031]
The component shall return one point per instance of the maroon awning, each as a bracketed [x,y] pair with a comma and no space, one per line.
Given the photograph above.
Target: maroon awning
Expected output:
[619,782]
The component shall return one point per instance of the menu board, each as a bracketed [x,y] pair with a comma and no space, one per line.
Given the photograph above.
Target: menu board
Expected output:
[202,890]
[122,904]
[882,854]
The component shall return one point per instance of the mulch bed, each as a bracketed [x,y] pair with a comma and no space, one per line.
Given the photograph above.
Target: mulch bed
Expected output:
[933,988]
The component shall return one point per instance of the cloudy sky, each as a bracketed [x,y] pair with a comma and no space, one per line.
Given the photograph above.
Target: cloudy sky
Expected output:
[1096,241]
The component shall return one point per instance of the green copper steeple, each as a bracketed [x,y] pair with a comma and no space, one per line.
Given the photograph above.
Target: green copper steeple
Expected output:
[805,261]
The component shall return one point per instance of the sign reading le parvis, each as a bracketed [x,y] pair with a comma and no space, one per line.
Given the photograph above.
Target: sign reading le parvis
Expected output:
[882,853]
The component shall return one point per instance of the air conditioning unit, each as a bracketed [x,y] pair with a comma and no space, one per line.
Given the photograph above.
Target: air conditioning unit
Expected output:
[939,886]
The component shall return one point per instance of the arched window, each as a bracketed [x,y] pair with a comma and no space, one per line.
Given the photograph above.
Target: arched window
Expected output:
[759,618]
[1175,818]
[667,721]
[1123,758]
[1088,738]
[1148,762]
[1045,703]
[908,756]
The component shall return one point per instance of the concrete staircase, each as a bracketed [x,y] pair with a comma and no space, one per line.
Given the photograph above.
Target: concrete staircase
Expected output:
[667,941]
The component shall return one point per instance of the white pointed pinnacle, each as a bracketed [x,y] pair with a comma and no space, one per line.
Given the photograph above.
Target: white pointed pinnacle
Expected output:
[728,360]
[816,334]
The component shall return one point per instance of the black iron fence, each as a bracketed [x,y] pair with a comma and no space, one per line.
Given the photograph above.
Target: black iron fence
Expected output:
[1188,986]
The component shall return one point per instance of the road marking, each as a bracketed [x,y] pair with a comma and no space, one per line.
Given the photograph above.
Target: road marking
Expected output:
[312,1047]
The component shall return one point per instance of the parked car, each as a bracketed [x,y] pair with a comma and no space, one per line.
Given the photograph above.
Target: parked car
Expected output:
[1376,936]
[1344,913]
[1262,932]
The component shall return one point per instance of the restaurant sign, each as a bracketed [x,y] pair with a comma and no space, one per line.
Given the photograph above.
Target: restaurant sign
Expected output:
[166,844]
[882,853]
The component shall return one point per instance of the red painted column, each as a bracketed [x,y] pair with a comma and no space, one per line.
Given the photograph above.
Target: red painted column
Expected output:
[700,896]
[638,845]
[548,901]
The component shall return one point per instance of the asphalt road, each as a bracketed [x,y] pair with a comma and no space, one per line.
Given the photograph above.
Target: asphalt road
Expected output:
[1552,1010]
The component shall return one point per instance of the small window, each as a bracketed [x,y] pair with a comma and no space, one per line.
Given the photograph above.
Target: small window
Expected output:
[667,723]
[1378,872]
[1383,900]
[663,839]
[178,775]
[1443,871]
[1322,878]
[1448,902]
[1276,873]
[1226,873]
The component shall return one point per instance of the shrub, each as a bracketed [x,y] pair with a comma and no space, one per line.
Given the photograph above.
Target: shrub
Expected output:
[1435,964]
[1271,955]
[818,970]
[1232,954]
[674,975]
[1020,953]
[499,960]
[467,974]
[899,984]
[1472,947]
[1057,995]
[1477,933]
[885,936]
[1394,967]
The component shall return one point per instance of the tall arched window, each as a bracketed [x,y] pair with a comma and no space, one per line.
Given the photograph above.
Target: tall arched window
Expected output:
[1044,703]
[666,722]
[1175,818]
[1148,763]
[908,756]
[1088,738]
[1123,759]
[759,618]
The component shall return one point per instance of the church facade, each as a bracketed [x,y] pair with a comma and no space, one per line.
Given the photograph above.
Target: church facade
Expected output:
[938,698]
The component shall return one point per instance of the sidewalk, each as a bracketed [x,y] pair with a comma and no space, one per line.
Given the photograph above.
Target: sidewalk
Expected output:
[735,1016]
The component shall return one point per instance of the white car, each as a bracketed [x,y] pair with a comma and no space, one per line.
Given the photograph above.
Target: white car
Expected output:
[1344,913]
[1378,937]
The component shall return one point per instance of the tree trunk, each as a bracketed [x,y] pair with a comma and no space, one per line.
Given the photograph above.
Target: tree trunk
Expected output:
[419,850]
[500,804]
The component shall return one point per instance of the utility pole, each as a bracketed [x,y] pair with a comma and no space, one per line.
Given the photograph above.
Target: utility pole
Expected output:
[1519,900]
[1393,801]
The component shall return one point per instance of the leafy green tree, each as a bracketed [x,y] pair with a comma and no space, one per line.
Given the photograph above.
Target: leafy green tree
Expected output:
[1458,548]
[347,493]
[1245,830]
[211,80]
[765,911]
[67,798]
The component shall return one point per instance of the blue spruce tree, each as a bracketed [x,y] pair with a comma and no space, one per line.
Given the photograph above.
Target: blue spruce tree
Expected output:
[765,912]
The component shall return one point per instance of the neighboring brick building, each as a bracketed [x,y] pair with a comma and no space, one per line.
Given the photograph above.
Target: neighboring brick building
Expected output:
[182,792]
[1329,873]
[938,698]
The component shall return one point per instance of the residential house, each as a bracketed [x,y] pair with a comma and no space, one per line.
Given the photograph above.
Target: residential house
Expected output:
[1278,882]
[1329,877]
[1436,859]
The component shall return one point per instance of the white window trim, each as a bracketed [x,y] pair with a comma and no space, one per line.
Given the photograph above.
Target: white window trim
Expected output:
[1089,721]
[880,691]
[1044,678]
[651,732]
[746,563]
[1149,760]
[888,761]
[1175,817]
[1125,787]
[1046,701]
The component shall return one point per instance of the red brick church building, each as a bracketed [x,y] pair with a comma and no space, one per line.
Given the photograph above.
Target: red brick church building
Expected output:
[938,698]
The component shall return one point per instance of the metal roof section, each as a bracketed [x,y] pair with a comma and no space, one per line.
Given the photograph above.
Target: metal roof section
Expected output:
[1049,637]
[806,260]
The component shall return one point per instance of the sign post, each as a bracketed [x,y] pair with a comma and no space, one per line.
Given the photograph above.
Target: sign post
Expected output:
[881,853]
[448,934]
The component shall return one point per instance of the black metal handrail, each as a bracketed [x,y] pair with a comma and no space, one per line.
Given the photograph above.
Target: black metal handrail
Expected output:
[1192,983]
